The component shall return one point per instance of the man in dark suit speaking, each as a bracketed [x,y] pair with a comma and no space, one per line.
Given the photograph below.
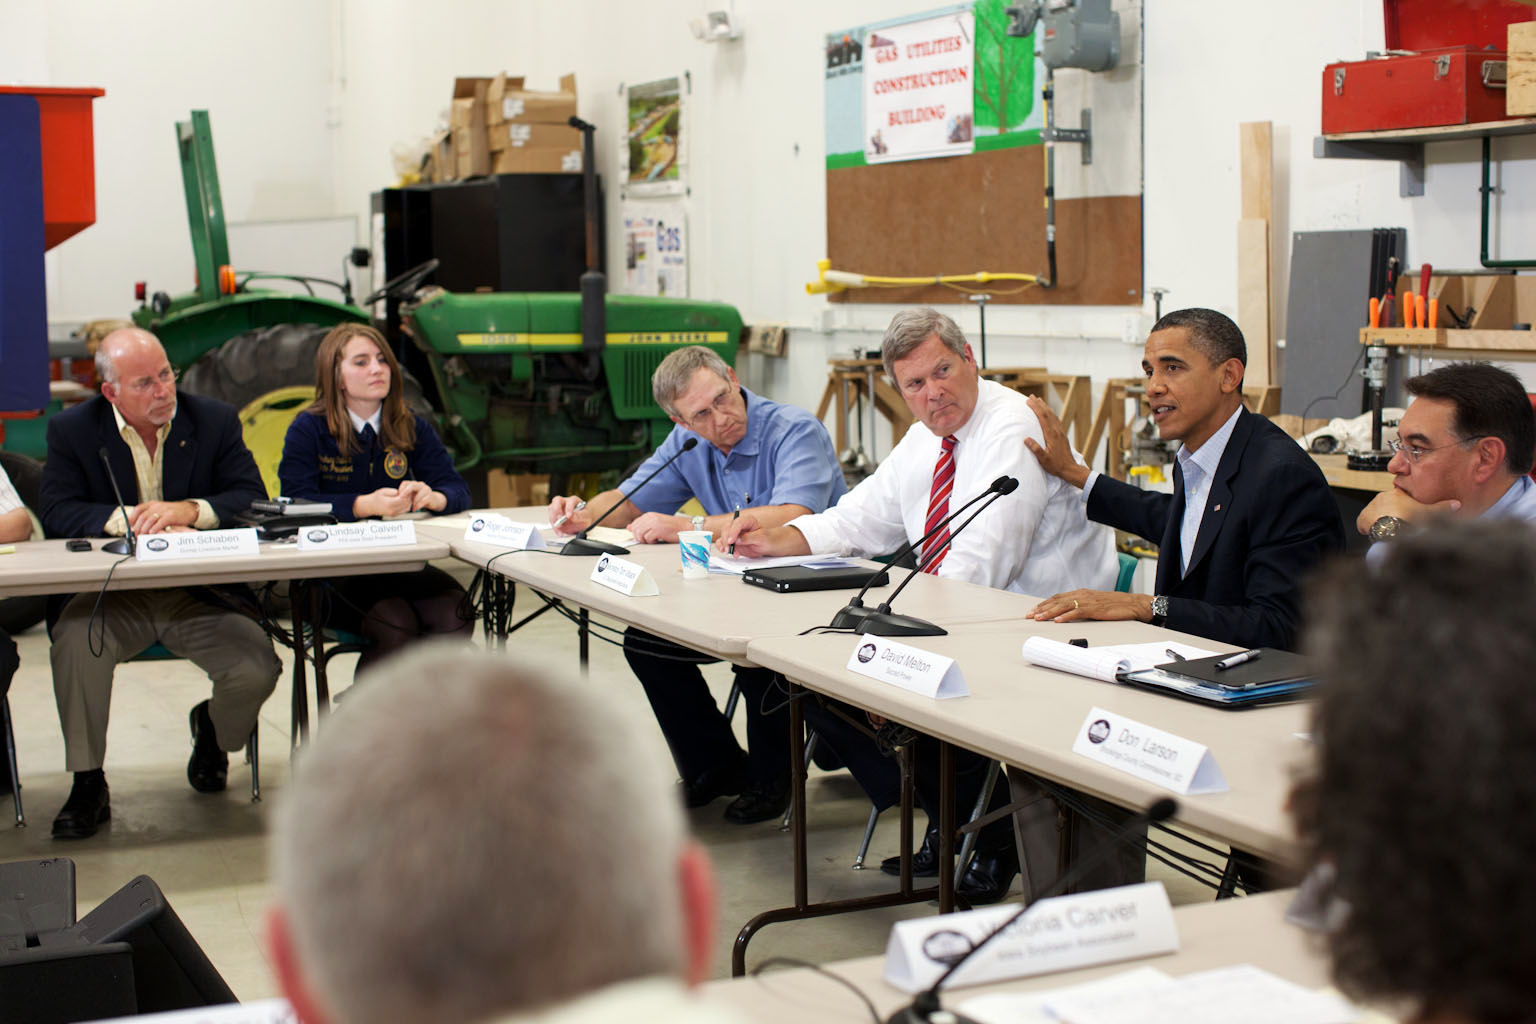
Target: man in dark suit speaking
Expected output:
[181,465]
[1250,512]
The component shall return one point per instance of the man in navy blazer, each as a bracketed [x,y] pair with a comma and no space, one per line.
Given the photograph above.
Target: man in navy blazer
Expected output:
[1250,514]
[181,465]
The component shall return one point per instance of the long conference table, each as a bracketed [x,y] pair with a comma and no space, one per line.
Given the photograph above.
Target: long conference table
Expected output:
[1015,712]
[47,567]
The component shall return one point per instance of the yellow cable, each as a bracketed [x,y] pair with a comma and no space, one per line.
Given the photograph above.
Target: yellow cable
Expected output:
[829,280]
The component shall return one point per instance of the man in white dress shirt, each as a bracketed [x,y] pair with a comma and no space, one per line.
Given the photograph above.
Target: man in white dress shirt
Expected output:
[1035,540]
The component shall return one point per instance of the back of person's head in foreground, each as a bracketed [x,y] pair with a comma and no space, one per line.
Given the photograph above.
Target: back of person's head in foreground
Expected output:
[1423,798]
[468,838]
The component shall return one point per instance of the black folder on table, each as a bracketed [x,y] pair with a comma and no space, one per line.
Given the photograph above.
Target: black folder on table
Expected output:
[1274,676]
[788,579]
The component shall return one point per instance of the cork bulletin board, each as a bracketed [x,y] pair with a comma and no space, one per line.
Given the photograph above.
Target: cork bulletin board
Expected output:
[969,194]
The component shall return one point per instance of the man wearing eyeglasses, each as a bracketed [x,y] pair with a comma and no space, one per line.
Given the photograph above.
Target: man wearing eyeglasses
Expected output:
[181,465]
[773,460]
[1464,447]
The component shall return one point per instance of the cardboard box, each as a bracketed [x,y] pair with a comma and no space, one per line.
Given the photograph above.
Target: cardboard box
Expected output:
[518,148]
[517,135]
[537,160]
[467,125]
[507,100]
[507,490]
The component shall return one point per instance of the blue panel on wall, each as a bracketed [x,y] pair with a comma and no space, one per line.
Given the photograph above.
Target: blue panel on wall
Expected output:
[23,296]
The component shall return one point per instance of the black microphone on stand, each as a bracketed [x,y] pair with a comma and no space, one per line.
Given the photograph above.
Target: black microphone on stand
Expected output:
[123,545]
[925,1007]
[854,612]
[580,545]
[883,622]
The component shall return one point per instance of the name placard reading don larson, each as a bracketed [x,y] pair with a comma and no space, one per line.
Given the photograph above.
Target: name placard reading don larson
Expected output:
[370,533]
[1153,755]
[157,547]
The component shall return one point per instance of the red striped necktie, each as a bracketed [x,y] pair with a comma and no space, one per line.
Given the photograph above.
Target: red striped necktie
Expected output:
[938,505]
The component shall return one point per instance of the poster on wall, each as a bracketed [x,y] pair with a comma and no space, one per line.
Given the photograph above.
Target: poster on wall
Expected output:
[654,160]
[941,83]
[655,249]
[918,85]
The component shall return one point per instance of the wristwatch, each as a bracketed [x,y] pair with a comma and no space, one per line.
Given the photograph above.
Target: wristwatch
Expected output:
[1388,528]
[1159,610]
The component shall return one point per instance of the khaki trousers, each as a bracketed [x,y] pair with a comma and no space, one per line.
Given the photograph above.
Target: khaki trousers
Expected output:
[231,648]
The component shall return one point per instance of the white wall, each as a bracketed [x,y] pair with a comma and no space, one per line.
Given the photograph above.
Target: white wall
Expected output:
[261,70]
[308,96]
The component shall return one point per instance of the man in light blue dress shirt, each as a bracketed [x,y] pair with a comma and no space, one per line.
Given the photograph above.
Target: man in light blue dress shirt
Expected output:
[775,460]
[1464,448]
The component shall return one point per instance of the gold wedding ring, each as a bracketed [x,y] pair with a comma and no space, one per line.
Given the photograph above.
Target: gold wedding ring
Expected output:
[1074,604]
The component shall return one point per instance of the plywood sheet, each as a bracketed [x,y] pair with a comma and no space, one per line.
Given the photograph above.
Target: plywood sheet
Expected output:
[984,211]
[1253,313]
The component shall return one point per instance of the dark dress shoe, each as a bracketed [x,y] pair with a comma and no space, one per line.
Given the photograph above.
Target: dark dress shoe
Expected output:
[208,768]
[925,862]
[762,801]
[988,878]
[721,780]
[87,807]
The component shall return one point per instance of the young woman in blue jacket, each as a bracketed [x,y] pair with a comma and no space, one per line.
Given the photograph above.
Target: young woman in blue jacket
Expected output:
[361,448]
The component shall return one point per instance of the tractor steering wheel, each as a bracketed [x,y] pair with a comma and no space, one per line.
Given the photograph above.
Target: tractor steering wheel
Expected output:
[404,286]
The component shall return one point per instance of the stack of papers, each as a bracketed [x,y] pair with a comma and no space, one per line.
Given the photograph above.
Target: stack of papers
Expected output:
[1148,996]
[1109,661]
[730,564]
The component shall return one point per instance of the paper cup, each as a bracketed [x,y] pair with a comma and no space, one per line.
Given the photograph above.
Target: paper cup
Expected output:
[694,545]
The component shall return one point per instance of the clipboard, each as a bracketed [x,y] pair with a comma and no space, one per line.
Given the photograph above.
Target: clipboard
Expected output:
[1273,677]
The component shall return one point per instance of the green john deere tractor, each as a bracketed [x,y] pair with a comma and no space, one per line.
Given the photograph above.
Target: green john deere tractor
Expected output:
[525,382]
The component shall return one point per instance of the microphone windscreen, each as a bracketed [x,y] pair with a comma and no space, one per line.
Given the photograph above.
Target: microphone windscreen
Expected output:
[1007,485]
[102,451]
[690,444]
[1163,809]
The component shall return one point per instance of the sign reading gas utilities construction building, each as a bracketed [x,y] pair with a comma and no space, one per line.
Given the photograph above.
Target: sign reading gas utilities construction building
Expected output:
[919,88]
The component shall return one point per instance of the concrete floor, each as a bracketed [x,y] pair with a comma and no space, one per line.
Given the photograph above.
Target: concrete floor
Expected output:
[208,852]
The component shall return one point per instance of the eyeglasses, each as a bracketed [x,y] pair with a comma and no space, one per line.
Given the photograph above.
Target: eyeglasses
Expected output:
[144,385]
[719,406]
[1415,452]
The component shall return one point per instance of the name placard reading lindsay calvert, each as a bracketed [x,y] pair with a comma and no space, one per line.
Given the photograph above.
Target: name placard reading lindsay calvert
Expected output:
[910,668]
[370,533]
[156,547]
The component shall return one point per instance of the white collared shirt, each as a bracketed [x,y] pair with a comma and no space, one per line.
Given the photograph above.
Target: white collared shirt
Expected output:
[1034,541]
[374,421]
[1199,468]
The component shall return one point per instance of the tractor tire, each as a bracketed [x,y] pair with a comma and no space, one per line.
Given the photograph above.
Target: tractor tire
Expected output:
[266,359]
[18,614]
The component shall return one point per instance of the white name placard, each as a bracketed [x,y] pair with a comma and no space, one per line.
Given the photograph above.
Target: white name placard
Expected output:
[629,578]
[156,547]
[931,675]
[502,532]
[370,533]
[1152,755]
[1057,934]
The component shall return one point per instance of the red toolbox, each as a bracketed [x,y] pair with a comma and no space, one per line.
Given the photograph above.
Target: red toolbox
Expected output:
[1445,65]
